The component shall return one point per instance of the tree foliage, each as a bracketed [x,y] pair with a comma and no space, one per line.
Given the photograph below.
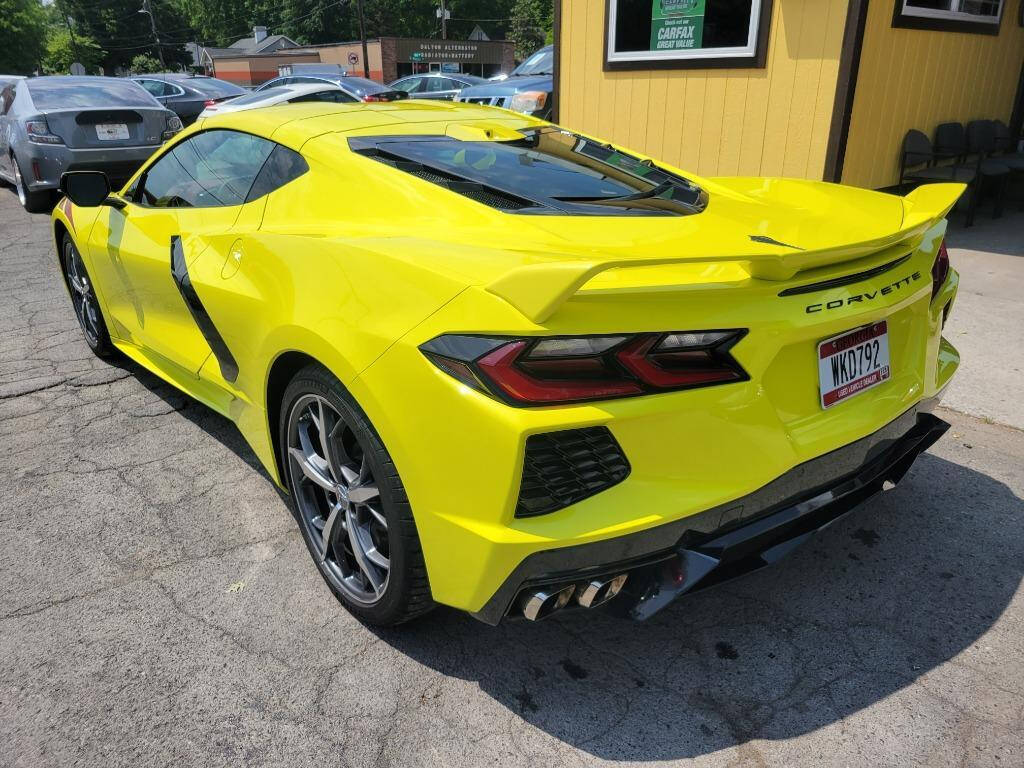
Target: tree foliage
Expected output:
[530,25]
[123,33]
[61,52]
[22,36]
[143,63]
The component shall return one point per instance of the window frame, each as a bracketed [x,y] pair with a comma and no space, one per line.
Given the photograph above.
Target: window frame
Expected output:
[179,91]
[753,55]
[137,187]
[946,21]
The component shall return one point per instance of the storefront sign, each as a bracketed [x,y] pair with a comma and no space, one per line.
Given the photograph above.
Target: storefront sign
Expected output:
[463,51]
[677,24]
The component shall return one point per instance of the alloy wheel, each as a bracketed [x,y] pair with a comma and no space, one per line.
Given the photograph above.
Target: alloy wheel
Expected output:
[87,309]
[19,183]
[338,500]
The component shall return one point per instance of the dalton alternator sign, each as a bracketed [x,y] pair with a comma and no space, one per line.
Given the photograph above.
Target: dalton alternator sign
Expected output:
[677,25]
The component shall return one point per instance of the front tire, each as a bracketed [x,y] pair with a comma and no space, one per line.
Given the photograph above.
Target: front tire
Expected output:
[350,503]
[84,301]
[32,201]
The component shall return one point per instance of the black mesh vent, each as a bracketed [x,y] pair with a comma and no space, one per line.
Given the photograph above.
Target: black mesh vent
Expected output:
[562,468]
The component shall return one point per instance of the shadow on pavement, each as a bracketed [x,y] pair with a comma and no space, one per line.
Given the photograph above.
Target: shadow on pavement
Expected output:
[877,601]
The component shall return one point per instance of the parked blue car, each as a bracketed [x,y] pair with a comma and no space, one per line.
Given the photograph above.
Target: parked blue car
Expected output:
[527,89]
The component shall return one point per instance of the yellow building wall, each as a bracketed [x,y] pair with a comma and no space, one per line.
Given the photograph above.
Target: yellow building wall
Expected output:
[911,78]
[713,122]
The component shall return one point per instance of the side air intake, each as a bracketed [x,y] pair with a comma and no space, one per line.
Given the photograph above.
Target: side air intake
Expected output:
[562,468]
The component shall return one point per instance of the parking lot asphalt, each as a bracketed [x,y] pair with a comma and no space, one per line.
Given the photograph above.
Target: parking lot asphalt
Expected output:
[158,607]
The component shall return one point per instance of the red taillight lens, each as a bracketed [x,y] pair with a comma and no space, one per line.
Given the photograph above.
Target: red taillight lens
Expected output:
[940,269]
[209,103]
[545,371]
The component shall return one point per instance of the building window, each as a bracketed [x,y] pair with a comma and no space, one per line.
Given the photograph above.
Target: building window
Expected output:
[648,34]
[950,15]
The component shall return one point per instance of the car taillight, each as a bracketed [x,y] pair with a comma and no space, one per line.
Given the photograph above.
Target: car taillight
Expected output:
[210,103]
[39,133]
[940,269]
[550,370]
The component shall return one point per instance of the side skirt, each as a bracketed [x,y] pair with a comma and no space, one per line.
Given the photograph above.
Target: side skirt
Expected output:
[206,393]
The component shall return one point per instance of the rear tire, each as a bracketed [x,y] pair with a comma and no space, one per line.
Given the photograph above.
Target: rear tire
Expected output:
[84,301]
[350,503]
[32,201]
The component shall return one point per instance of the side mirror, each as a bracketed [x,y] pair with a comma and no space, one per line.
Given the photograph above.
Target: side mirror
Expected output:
[85,188]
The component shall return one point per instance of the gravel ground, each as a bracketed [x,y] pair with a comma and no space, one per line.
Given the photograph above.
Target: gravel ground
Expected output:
[158,607]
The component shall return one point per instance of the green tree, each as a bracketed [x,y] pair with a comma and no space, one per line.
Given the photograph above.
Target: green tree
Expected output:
[61,53]
[23,36]
[143,63]
[530,25]
[123,33]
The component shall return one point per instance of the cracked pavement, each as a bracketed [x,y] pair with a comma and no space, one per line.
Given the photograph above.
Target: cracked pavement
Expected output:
[158,606]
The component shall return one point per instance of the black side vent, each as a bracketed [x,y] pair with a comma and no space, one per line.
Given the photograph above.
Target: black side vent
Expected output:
[482,193]
[562,468]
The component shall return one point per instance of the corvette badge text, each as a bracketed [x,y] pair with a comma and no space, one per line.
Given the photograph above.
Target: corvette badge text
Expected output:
[866,296]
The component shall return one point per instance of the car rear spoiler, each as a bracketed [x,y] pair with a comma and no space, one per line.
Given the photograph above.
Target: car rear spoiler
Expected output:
[538,290]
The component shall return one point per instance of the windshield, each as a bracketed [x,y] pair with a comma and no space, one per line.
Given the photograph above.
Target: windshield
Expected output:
[540,63]
[209,86]
[89,92]
[547,168]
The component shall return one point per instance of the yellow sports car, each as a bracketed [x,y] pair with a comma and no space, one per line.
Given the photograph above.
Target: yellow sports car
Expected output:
[514,369]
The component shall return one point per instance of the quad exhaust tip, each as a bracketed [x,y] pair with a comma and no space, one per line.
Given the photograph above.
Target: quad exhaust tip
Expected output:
[600,591]
[541,603]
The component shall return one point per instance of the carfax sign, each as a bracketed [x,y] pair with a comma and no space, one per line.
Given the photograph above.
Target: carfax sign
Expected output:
[677,24]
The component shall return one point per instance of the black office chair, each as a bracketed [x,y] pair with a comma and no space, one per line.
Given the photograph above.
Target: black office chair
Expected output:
[1006,152]
[917,164]
[981,143]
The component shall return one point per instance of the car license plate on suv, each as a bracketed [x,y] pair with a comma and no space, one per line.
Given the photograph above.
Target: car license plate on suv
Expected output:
[111,131]
[853,362]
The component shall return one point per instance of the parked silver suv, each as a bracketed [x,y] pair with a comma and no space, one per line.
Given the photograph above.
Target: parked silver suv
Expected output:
[49,125]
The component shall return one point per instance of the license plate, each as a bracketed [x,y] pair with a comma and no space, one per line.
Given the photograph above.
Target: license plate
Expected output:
[111,131]
[852,363]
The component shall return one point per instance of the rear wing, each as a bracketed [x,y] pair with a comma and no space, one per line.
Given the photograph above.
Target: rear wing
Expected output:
[538,290]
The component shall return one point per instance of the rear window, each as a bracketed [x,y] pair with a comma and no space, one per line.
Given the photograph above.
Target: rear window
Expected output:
[210,86]
[71,92]
[258,96]
[547,171]
[360,85]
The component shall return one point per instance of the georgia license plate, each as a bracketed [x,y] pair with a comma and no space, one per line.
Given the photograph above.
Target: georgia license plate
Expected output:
[853,362]
[111,131]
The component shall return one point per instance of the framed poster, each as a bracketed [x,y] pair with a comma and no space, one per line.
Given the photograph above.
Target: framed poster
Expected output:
[653,34]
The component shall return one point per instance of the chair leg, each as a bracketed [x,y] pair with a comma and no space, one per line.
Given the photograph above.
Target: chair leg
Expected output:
[997,205]
[972,204]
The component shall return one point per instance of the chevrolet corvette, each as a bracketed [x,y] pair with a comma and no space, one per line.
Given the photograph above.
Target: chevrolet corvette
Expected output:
[514,369]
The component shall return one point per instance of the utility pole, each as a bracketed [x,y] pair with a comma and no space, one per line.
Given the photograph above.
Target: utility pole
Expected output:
[71,32]
[362,36]
[444,22]
[152,25]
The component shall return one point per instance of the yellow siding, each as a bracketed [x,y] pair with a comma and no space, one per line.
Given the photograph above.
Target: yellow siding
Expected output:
[771,121]
[913,78]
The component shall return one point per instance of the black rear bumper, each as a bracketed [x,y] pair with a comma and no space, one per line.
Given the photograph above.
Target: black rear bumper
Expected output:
[734,539]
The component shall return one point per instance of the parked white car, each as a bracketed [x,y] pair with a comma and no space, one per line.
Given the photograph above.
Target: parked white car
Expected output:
[281,94]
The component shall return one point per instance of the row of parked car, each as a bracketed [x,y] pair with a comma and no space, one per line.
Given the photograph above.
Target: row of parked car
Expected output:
[50,125]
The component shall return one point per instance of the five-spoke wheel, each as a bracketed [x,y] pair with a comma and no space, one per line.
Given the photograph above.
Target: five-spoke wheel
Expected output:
[83,299]
[349,502]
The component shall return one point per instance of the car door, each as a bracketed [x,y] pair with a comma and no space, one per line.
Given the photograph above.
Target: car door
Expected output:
[193,198]
[414,86]
[6,127]
[441,88]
